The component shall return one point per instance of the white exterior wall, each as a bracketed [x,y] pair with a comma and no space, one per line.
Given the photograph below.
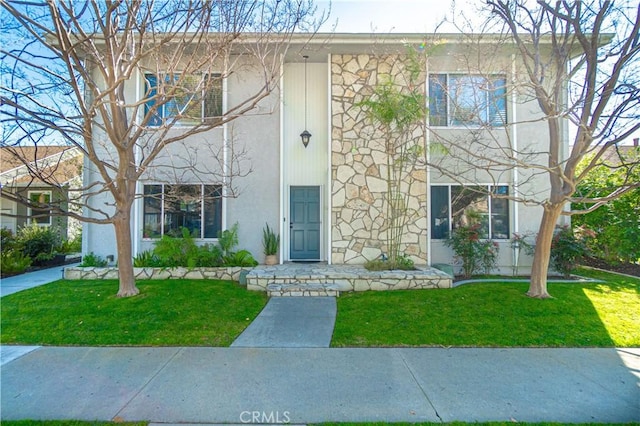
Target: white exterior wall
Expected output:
[530,134]
[305,166]
[8,207]
[278,159]
[259,193]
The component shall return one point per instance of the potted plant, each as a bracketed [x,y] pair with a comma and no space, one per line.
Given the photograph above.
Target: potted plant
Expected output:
[270,242]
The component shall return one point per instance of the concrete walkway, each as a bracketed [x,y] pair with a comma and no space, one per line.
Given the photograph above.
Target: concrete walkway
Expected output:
[291,322]
[232,385]
[21,282]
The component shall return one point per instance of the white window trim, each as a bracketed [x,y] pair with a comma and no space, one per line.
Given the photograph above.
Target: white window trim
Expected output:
[462,126]
[30,212]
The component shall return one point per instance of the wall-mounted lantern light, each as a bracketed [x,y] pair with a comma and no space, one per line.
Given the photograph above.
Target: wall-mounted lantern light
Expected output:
[305,135]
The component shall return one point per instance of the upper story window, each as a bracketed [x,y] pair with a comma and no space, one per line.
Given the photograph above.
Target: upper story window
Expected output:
[467,100]
[168,208]
[41,216]
[451,206]
[194,98]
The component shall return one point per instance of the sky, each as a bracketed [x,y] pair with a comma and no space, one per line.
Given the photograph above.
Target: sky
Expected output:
[402,16]
[393,16]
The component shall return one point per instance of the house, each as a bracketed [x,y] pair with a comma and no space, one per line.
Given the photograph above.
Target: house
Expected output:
[325,198]
[20,168]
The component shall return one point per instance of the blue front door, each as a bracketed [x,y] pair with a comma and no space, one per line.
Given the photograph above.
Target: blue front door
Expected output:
[305,223]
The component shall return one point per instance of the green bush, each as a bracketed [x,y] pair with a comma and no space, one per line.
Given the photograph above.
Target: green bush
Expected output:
[616,223]
[73,245]
[146,259]
[228,239]
[209,255]
[171,251]
[566,251]
[7,239]
[93,260]
[474,254]
[402,262]
[40,243]
[240,258]
[177,251]
[13,262]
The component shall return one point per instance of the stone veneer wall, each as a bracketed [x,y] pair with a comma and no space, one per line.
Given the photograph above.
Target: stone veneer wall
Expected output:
[111,273]
[358,166]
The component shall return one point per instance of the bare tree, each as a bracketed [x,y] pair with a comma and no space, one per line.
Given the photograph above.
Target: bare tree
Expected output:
[126,80]
[578,61]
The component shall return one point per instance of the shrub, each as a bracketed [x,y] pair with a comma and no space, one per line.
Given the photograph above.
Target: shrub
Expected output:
[146,259]
[177,251]
[13,262]
[7,239]
[228,239]
[402,262]
[170,252]
[40,243]
[489,255]
[240,258]
[471,251]
[73,245]
[209,255]
[93,260]
[566,250]
[617,222]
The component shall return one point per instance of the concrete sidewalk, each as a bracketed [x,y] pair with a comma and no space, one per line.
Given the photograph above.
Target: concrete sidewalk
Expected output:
[305,385]
[268,385]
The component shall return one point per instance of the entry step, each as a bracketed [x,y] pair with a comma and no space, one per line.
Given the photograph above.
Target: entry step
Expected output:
[303,289]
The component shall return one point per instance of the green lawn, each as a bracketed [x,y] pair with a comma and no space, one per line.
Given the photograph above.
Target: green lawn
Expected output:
[166,313]
[495,315]
[214,313]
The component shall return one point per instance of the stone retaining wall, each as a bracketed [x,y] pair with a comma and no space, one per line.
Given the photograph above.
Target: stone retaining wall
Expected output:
[338,277]
[111,273]
[350,278]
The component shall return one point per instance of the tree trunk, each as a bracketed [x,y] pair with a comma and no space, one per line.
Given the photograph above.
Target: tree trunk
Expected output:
[122,226]
[542,255]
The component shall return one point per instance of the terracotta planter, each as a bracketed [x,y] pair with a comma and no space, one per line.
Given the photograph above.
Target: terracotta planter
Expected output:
[271,259]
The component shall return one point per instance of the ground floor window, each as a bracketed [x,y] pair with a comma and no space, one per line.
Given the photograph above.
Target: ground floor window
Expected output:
[38,212]
[168,208]
[451,206]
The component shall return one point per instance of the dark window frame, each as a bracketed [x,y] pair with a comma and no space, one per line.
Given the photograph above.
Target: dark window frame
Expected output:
[498,209]
[211,100]
[40,216]
[164,212]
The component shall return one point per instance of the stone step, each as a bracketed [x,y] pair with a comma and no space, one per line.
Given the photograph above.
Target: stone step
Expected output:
[303,289]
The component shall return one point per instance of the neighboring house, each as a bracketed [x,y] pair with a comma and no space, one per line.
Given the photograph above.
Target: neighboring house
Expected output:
[325,199]
[18,166]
